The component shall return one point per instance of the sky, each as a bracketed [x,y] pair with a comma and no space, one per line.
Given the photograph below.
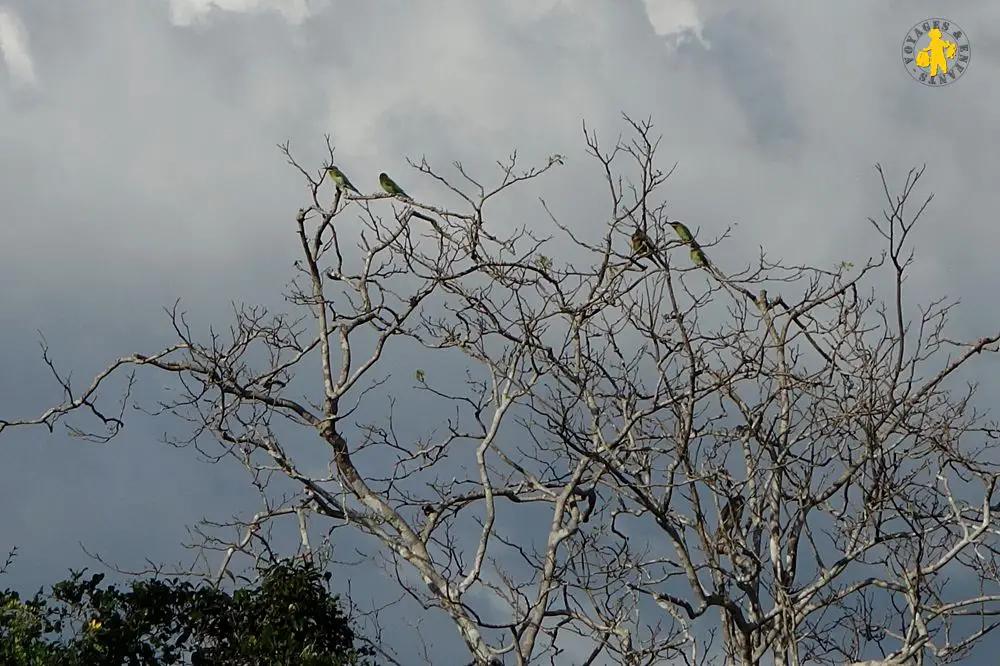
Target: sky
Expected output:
[139,165]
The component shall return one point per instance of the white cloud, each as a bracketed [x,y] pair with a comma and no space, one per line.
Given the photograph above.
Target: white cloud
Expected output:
[186,12]
[675,18]
[14,48]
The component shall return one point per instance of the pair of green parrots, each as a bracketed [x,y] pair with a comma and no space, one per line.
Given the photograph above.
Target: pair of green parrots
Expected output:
[341,180]
[642,246]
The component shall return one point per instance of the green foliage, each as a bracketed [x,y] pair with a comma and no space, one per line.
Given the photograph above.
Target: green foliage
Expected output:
[289,619]
[22,625]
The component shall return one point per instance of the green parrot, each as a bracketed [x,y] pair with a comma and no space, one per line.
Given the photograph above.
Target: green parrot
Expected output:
[390,186]
[340,179]
[698,256]
[682,231]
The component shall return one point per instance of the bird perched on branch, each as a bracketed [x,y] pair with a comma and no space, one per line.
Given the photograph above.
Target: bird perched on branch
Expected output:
[643,247]
[698,256]
[682,231]
[390,186]
[729,520]
[340,179]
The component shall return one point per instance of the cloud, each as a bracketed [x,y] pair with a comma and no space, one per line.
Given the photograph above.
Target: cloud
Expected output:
[186,12]
[147,171]
[676,18]
[14,48]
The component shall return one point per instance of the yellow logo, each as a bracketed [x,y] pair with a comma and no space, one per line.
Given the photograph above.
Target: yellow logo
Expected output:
[936,52]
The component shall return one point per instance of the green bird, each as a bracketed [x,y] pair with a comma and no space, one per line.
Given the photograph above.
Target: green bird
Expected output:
[341,179]
[390,186]
[682,231]
[698,256]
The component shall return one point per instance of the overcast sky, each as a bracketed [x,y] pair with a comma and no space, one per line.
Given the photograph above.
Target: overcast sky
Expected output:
[137,147]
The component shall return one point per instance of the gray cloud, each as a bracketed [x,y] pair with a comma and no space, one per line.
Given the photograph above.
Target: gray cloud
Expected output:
[141,167]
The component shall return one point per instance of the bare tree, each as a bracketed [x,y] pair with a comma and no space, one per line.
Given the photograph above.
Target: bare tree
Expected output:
[641,462]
